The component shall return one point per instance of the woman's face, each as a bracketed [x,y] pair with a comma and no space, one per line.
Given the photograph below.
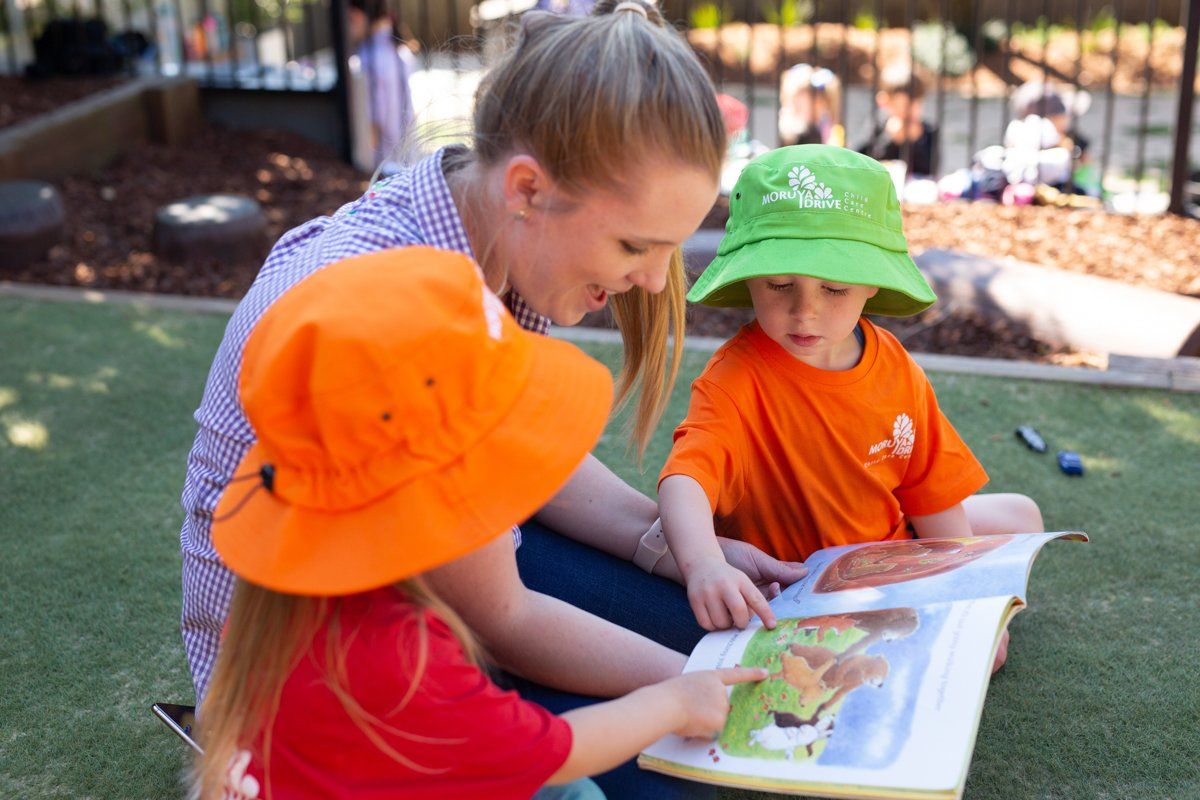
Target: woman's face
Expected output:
[572,252]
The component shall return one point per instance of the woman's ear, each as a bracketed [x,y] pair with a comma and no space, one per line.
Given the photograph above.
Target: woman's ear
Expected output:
[526,185]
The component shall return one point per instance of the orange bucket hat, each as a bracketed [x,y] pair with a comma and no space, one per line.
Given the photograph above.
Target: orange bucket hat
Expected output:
[403,419]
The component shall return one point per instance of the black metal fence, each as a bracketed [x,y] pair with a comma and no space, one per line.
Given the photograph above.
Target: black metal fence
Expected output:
[255,44]
[1136,59]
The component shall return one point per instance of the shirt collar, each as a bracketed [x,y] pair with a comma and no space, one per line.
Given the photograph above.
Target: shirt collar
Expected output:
[442,225]
[435,210]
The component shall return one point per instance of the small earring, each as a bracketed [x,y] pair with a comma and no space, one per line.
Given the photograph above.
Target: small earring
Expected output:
[520,214]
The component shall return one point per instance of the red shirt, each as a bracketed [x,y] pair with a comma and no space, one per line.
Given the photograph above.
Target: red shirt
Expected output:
[459,734]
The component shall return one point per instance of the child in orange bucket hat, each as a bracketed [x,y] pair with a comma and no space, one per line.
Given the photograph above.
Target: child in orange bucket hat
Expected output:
[403,421]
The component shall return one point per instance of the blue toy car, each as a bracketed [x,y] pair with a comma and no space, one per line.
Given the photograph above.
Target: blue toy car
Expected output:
[1032,439]
[1070,462]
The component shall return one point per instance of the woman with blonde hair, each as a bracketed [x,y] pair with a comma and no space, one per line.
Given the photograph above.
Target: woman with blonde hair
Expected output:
[596,151]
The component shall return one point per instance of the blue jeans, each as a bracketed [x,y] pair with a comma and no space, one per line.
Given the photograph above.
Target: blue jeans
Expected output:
[621,593]
[582,789]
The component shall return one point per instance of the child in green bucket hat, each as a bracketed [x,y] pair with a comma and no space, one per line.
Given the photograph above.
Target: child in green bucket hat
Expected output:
[811,427]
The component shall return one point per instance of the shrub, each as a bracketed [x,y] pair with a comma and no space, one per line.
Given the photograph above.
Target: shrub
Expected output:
[932,40]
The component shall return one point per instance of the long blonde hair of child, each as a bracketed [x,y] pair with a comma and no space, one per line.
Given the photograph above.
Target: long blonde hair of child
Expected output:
[267,634]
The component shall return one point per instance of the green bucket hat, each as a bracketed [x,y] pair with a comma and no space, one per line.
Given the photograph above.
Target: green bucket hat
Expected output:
[821,211]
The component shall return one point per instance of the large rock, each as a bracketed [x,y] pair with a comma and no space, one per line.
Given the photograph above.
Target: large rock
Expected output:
[31,221]
[1068,308]
[222,226]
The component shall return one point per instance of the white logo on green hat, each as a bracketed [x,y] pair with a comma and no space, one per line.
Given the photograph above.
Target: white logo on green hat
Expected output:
[805,189]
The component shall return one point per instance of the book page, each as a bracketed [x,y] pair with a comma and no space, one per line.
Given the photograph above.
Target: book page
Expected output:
[881,703]
[914,572]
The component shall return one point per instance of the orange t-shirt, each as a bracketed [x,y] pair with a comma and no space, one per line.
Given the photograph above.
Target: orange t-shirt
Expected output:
[795,458]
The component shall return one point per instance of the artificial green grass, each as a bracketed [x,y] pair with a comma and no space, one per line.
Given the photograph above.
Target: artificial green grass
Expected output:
[1098,699]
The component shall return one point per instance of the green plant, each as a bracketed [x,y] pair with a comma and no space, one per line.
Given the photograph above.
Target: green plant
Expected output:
[1103,20]
[787,12]
[1039,33]
[865,21]
[940,48]
[707,15]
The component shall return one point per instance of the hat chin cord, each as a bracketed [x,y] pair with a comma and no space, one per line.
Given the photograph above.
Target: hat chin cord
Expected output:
[266,477]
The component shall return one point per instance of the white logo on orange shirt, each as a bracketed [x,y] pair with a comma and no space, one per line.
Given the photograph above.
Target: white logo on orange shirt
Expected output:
[900,445]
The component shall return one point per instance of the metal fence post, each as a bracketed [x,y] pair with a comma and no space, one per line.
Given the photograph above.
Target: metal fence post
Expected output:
[341,90]
[1187,97]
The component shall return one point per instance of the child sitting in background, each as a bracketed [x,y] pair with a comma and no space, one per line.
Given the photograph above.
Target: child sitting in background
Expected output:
[392,442]
[1043,158]
[901,135]
[812,427]
[1042,144]
[810,107]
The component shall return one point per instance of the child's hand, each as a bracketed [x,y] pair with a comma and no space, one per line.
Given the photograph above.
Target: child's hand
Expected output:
[703,700]
[239,785]
[769,574]
[722,595]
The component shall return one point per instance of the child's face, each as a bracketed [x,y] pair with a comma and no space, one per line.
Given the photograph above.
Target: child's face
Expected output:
[356,24]
[898,105]
[810,106]
[812,319]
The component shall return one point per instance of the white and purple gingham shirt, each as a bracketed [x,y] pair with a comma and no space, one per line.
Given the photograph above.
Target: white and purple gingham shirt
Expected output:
[414,207]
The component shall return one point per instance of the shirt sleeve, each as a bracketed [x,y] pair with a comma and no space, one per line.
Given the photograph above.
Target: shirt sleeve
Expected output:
[708,446]
[942,470]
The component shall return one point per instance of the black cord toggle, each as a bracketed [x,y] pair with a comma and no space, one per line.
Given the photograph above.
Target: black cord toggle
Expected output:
[266,476]
[267,473]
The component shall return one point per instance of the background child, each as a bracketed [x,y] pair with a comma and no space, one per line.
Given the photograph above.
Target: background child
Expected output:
[811,427]
[391,443]
[1042,143]
[901,134]
[387,66]
[810,107]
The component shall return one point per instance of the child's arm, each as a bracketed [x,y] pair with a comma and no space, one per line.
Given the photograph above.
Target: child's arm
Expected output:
[542,638]
[607,734]
[720,594]
[601,510]
[942,525]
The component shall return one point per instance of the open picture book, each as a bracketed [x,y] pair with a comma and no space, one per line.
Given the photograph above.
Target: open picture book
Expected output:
[878,669]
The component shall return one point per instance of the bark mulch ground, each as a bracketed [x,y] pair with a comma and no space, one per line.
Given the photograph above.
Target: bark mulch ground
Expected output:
[111,213]
[22,99]
[1158,252]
